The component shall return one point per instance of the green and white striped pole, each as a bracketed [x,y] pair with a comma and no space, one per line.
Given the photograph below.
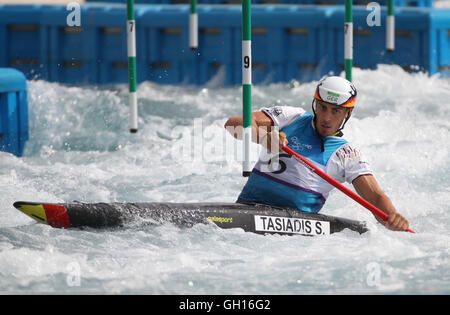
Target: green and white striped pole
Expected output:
[246,84]
[348,39]
[193,26]
[131,51]
[390,27]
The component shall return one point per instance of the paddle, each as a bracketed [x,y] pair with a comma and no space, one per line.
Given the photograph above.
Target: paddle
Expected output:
[338,185]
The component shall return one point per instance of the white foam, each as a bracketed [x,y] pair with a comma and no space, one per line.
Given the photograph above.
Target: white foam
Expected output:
[80,149]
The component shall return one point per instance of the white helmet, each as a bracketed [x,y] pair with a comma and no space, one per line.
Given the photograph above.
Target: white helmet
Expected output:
[337,91]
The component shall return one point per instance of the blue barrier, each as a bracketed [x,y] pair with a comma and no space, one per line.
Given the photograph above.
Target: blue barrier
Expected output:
[286,47]
[94,52]
[288,42]
[422,40]
[20,35]
[13,111]
[163,47]
[440,39]
[397,3]
[289,46]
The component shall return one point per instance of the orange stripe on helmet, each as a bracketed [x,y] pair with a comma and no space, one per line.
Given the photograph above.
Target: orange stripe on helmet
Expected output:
[317,95]
[350,103]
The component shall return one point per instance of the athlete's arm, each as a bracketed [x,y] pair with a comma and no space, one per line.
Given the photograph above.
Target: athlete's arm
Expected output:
[262,131]
[261,124]
[368,188]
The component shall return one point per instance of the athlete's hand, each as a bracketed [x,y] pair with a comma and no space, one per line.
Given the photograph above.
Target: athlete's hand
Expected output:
[397,222]
[273,141]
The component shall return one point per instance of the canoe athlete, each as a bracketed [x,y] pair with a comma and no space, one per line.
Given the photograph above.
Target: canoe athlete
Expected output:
[280,180]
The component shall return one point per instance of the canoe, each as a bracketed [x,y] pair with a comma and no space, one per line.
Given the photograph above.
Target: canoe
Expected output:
[256,218]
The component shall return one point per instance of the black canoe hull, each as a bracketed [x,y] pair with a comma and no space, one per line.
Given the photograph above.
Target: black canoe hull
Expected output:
[255,218]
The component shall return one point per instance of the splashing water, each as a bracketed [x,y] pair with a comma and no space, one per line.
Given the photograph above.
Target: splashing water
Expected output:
[80,149]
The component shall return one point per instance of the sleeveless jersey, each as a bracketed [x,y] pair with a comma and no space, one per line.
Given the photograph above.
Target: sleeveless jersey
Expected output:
[280,180]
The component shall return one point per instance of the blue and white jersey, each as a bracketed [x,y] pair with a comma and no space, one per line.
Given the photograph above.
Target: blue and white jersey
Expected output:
[280,180]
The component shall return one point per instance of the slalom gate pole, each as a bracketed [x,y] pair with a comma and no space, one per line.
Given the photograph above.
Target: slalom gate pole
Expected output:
[390,27]
[193,26]
[131,51]
[348,39]
[246,84]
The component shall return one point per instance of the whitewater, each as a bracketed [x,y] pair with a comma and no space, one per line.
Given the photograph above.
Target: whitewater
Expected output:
[80,149]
